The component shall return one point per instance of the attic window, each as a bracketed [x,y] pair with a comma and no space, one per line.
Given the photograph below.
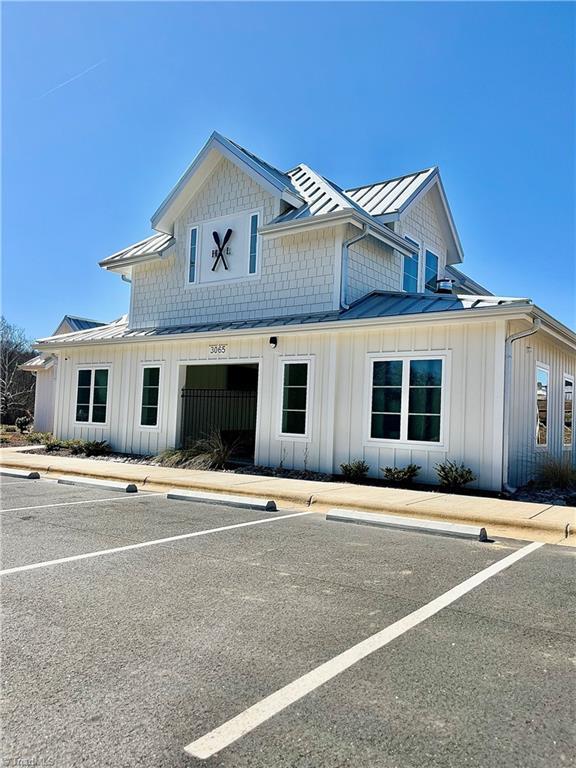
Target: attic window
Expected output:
[411,269]
[430,272]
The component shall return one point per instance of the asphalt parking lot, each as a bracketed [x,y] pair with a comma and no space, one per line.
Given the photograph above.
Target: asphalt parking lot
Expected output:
[245,642]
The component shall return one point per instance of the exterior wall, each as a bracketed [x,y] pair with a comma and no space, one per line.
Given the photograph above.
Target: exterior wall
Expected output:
[44,400]
[421,223]
[339,396]
[525,455]
[372,266]
[296,273]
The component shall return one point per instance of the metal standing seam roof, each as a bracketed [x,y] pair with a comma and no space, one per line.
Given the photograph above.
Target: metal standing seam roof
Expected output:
[80,323]
[373,305]
[38,363]
[392,195]
[150,246]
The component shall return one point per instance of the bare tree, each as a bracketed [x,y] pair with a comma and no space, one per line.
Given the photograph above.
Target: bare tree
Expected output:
[16,386]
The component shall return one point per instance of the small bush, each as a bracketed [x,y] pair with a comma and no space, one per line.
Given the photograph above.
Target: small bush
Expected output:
[9,428]
[401,475]
[96,448]
[23,422]
[210,452]
[453,476]
[3,440]
[76,447]
[53,445]
[37,438]
[355,471]
[555,473]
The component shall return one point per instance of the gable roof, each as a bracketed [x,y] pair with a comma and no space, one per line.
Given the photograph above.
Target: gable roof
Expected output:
[78,323]
[390,196]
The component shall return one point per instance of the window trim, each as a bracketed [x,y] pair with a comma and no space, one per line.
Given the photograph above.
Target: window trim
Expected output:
[567,377]
[306,437]
[414,241]
[542,446]
[92,367]
[445,356]
[143,365]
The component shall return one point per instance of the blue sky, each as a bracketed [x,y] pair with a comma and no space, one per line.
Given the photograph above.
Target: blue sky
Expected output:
[360,92]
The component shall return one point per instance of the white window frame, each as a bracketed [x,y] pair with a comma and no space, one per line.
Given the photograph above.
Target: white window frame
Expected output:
[199,225]
[143,365]
[537,445]
[418,242]
[92,367]
[290,436]
[427,248]
[567,377]
[442,444]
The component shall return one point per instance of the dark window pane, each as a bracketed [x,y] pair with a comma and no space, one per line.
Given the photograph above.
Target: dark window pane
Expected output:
[294,423]
[81,413]
[431,271]
[100,394]
[151,377]
[385,427]
[84,378]
[386,399]
[83,396]
[295,398]
[425,428]
[149,416]
[388,373]
[150,396]
[101,378]
[99,414]
[426,373]
[296,374]
[425,400]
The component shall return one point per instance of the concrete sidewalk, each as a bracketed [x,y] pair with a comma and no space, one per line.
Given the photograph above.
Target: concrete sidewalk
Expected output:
[512,519]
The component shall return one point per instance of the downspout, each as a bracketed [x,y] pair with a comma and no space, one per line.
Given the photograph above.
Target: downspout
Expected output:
[536,325]
[344,263]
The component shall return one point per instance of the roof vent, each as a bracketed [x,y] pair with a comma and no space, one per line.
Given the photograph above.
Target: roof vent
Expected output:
[444,285]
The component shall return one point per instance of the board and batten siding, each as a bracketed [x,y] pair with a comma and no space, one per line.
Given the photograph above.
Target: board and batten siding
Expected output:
[339,395]
[525,455]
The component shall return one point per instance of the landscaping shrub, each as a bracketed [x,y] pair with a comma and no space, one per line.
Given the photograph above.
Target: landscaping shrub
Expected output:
[37,438]
[555,473]
[96,448]
[401,475]
[76,447]
[9,428]
[210,452]
[355,471]
[23,422]
[453,475]
[53,445]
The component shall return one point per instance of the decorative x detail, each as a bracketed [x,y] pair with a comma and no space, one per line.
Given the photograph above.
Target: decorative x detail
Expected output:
[221,246]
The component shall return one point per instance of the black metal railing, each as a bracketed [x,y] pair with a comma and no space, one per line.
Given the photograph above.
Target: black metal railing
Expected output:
[231,412]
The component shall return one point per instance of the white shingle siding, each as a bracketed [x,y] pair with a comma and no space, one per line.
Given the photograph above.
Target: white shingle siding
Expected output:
[296,272]
[421,222]
[372,266]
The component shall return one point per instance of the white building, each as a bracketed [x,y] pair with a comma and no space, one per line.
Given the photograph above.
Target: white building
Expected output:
[314,323]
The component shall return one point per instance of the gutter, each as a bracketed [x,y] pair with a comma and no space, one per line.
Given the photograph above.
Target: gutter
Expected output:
[536,325]
[344,263]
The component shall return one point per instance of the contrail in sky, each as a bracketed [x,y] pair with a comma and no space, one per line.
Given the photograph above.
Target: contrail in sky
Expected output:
[71,79]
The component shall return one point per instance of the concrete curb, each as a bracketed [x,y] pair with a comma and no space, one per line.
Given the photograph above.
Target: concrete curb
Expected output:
[408,524]
[244,502]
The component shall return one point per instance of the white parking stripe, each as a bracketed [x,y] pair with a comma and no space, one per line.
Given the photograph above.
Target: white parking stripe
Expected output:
[84,501]
[151,543]
[251,718]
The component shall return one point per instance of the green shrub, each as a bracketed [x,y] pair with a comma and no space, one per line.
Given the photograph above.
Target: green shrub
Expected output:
[9,428]
[36,438]
[355,471]
[401,475]
[53,445]
[555,473]
[453,476]
[210,452]
[97,448]
[23,422]
[3,440]
[76,447]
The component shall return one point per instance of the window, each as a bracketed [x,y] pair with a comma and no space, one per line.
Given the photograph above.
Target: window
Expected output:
[542,377]
[193,253]
[253,243]
[294,399]
[568,411]
[150,390]
[430,272]
[92,395]
[411,269]
[406,400]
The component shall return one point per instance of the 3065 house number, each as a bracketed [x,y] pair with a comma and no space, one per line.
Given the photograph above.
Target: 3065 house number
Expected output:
[217,349]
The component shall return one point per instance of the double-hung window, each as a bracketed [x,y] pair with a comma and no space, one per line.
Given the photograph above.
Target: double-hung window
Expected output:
[542,382]
[92,395]
[295,386]
[430,272]
[568,412]
[406,399]
[193,255]
[411,269]
[150,392]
